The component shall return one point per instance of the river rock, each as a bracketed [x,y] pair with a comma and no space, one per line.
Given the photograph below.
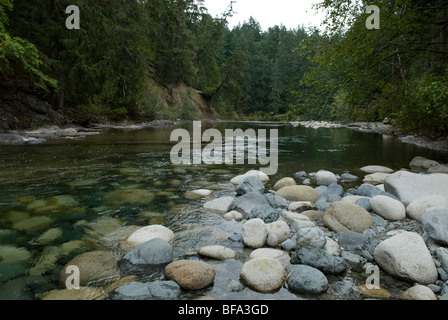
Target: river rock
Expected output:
[333,189]
[310,237]
[220,205]
[442,256]
[284,182]
[298,193]
[83,293]
[48,236]
[419,292]
[263,274]
[191,274]
[197,194]
[441,168]
[300,206]
[376,168]
[93,266]
[229,216]
[351,240]
[250,184]
[217,252]
[348,177]
[388,208]
[306,279]
[157,290]
[418,206]
[11,254]
[33,224]
[325,178]
[153,252]
[265,213]
[251,200]
[408,186]
[147,233]
[280,229]
[296,220]
[280,255]
[435,223]
[341,216]
[375,178]
[320,259]
[406,256]
[254,233]
[261,175]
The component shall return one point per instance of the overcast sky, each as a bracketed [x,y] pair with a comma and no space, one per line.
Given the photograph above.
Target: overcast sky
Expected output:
[290,13]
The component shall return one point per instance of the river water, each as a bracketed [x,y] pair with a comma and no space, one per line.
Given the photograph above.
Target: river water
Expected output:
[83,189]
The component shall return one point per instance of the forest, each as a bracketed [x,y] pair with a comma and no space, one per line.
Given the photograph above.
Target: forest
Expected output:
[127,57]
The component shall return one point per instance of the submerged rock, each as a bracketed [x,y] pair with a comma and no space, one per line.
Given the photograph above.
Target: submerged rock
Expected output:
[93,266]
[217,252]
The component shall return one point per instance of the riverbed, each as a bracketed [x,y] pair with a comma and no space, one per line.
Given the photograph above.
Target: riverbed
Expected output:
[83,189]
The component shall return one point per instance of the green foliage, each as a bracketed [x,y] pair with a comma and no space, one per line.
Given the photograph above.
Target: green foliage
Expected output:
[18,55]
[362,74]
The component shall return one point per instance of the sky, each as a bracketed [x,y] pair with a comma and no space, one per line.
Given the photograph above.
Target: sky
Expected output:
[290,13]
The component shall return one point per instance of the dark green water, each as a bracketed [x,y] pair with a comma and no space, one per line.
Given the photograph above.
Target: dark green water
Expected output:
[89,187]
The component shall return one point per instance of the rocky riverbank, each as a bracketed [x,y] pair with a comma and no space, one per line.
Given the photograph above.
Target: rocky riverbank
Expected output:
[36,136]
[292,235]
[383,128]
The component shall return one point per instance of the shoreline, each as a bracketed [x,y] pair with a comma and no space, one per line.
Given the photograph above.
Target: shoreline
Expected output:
[379,128]
[43,134]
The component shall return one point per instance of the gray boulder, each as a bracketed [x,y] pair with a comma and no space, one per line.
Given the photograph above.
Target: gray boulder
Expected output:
[250,184]
[406,256]
[153,252]
[408,186]
[311,237]
[435,223]
[158,290]
[320,259]
[265,213]
[306,279]
[251,200]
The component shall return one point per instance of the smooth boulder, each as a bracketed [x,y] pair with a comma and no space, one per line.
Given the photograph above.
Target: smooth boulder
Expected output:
[220,205]
[147,233]
[153,252]
[306,279]
[435,223]
[342,216]
[298,193]
[418,206]
[388,208]
[93,266]
[191,274]
[408,186]
[263,274]
[325,178]
[254,233]
[406,256]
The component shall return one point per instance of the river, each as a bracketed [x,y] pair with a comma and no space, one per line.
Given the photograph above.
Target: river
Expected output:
[84,188]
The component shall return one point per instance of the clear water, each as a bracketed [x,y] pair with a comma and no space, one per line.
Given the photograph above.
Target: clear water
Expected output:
[122,178]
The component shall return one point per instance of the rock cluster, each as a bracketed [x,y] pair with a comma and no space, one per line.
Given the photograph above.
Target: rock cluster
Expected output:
[292,236]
